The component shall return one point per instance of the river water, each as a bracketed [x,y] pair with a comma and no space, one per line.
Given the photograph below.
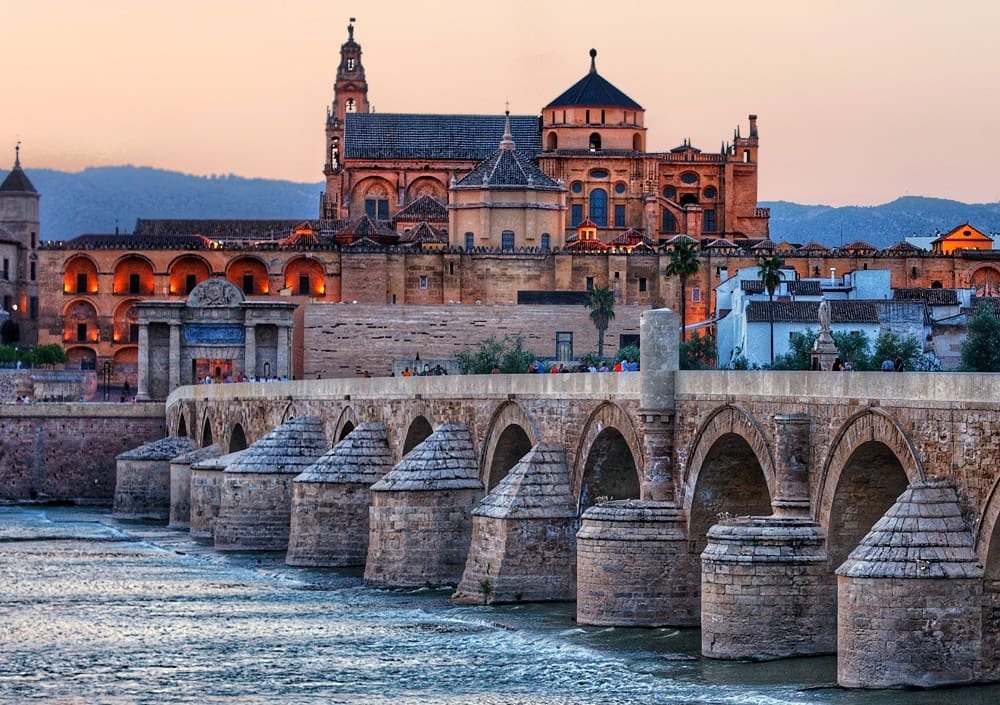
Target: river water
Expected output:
[92,611]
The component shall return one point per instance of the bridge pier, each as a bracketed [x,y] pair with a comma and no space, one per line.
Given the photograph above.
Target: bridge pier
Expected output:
[206,493]
[910,597]
[330,501]
[180,484]
[142,479]
[421,520]
[255,510]
[524,535]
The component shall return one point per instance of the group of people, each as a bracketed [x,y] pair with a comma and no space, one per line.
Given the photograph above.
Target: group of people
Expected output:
[428,371]
[560,368]
[888,365]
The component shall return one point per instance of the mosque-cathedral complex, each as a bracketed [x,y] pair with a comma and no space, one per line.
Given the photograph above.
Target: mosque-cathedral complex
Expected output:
[467,210]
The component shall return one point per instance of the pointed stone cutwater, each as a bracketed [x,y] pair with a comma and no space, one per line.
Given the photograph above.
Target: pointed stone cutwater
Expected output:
[180,484]
[330,500]
[206,493]
[142,479]
[524,535]
[910,597]
[255,512]
[421,513]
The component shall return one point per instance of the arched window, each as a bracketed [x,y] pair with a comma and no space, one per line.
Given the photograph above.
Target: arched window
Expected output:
[552,142]
[599,207]
[668,224]
[595,142]
[349,105]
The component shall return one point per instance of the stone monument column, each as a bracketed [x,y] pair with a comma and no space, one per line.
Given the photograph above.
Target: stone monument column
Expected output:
[175,356]
[633,566]
[765,593]
[283,353]
[142,382]
[250,350]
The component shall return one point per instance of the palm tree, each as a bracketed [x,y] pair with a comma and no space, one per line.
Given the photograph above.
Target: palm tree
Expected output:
[769,270]
[684,262]
[601,302]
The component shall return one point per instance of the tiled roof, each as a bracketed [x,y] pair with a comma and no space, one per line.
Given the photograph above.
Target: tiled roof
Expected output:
[125,241]
[947,297]
[902,247]
[218,229]
[680,238]
[808,312]
[425,208]
[813,246]
[859,246]
[424,233]
[507,168]
[579,245]
[593,90]
[762,246]
[629,238]
[798,287]
[721,244]
[17,182]
[412,136]
[366,227]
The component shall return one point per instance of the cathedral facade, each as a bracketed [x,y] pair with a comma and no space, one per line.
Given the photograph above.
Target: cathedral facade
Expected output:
[591,139]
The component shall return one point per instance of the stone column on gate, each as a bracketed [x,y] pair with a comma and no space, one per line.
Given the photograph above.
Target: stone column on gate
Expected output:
[765,593]
[250,350]
[284,354]
[174,363]
[142,381]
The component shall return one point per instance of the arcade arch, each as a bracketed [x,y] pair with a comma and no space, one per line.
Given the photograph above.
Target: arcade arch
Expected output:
[304,276]
[80,323]
[187,272]
[250,274]
[126,322]
[80,275]
[133,275]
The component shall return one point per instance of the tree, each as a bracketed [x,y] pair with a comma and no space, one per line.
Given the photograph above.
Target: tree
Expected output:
[890,346]
[507,355]
[769,270]
[981,349]
[853,347]
[698,353]
[683,263]
[799,357]
[601,302]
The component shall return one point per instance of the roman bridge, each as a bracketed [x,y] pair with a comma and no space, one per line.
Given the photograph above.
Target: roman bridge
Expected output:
[662,456]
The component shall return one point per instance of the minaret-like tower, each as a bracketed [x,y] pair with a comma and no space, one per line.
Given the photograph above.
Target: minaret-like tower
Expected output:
[19,229]
[350,95]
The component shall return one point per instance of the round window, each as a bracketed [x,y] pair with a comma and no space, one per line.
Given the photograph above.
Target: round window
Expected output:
[670,192]
[577,187]
[619,188]
[689,177]
[598,174]
[710,192]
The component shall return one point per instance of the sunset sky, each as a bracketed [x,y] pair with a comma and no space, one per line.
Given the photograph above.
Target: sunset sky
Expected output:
[860,101]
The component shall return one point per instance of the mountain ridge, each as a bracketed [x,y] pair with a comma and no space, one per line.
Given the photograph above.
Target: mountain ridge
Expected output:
[97,199]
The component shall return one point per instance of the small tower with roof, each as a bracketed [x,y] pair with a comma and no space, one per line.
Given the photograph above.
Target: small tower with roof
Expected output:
[19,232]
[506,202]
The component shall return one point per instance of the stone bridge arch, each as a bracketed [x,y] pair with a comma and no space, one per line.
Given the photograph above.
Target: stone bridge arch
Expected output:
[208,433]
[289,412]
[236,439]
[510,434]
[419,424]
[869,426]
[608,460]
[182,423]
[730,470]
[988,535]
[347,421]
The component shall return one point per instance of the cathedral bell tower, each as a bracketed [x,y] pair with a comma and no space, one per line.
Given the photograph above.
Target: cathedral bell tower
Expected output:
[350,95]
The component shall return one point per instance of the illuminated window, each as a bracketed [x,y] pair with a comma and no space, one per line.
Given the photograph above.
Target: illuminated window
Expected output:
[350,64]
[349,105]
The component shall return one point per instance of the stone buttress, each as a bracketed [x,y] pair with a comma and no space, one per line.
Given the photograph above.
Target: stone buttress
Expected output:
[421,513]
[206,493]
[180,483]
[910,597]
[142,479]
[330,500]
[765,587]
[524,535]
[255,511]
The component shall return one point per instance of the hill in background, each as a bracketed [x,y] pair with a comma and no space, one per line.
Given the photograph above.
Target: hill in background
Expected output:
[90,201]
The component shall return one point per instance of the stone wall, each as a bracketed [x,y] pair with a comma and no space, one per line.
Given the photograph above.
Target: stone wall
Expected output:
[67,451]
[344,340]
